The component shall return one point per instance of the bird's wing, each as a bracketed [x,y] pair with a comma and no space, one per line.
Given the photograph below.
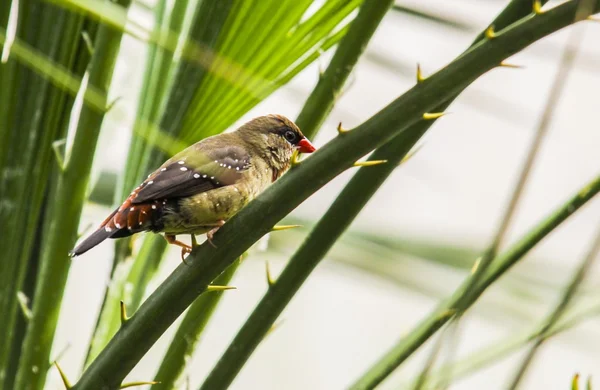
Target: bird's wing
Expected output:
[188,173]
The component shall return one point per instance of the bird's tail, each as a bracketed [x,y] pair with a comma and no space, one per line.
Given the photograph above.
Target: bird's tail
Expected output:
[123,222]
[94,239]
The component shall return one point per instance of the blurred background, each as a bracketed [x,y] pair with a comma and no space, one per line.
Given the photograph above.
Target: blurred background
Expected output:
[418,237]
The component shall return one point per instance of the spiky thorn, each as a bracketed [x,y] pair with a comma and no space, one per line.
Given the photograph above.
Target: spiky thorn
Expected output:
[270,280]
[588,383]
[274,327]
[537,7]
[475,265]
[369,163]
[490,33]
[411,154]
[23,301]
[278,228]
[504,64]
[133,384]
[575,382]
[428,116]
[88,42]
[447,313]
[341,130]
[63,376]
[59,152]
[213,288]
[420,77]
[124,317]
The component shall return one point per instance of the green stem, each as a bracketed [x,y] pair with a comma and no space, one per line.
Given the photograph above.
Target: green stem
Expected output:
[434,321]
[205,263]
[67,198]
[188,334]
[323,97]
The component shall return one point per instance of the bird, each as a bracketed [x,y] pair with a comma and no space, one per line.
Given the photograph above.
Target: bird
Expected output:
[197,190]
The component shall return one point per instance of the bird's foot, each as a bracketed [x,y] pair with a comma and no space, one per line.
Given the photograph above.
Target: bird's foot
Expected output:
[185,249]
[211,233]
[185,252]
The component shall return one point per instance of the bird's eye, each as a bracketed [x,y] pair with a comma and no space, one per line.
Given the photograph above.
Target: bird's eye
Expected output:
[291,136]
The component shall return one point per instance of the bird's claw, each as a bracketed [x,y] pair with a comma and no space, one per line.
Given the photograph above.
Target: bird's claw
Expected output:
[210,235]
[184,253]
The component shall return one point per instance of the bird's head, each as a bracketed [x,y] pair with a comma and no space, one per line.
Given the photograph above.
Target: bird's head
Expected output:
[275,137]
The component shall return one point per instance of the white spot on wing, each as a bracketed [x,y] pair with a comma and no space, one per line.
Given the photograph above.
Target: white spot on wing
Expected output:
[118,226]
[196,176]
[181,162]
[131,209]
[163,169]
[150,182]
[183,168]
[153,207]
[108,229]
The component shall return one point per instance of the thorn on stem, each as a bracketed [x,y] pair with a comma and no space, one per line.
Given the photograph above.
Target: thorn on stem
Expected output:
[24,305]
[88,42]
[341,130]
[411,154]
[575,382]
[537,7]
[212,288]
[278,228]
[369,163]
[447,314]
[124,317]
[433,115]
[512,66]
[270,280]
[274,327]
[63,376]
[490,33]
[420,77]
[475,265]
[58,147]
[133,384]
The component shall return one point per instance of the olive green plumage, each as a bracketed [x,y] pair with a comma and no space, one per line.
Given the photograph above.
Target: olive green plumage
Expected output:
[201,187]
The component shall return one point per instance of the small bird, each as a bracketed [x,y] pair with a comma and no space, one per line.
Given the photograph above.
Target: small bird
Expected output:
[200,188]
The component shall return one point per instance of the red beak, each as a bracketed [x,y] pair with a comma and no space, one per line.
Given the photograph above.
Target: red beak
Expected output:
[304,146]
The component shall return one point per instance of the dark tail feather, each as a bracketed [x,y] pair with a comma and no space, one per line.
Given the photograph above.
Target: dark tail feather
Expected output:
[123,222]
[94,239]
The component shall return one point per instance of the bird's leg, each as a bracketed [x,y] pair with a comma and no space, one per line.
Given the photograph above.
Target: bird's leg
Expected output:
[185,249]
[211,232]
